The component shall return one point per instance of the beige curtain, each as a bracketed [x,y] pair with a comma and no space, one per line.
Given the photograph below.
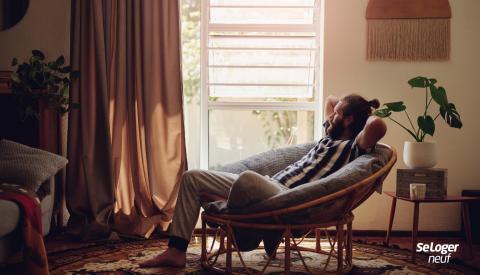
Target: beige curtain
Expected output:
[126,142]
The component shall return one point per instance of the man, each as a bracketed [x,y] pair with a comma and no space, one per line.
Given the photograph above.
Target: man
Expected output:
[351,132]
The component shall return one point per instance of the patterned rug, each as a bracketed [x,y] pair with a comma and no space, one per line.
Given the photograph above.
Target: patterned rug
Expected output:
[122,257]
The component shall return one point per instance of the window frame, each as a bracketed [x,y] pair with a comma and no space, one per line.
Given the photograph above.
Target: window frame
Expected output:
[205,105]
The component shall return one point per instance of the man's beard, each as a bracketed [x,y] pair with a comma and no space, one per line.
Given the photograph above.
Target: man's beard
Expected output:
[335,130]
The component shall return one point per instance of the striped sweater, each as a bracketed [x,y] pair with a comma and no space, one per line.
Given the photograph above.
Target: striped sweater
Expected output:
[325,158]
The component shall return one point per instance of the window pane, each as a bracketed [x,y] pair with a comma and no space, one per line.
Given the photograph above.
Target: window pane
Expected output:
[261,93]
[276,76]
[271,15]
[236,134]
[190,13]
[253,41]
[262,57]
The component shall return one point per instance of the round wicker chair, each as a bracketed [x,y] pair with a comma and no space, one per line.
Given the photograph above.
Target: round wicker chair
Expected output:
[337,213]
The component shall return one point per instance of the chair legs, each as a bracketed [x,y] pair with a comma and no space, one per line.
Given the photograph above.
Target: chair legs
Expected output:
[344,248]
[343,243]
[318,236]
[229,251]
[203,255]
[340,236]
[349,247]
[287,251]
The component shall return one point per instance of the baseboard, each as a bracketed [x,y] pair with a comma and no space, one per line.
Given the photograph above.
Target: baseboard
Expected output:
[407,233]
[381,233]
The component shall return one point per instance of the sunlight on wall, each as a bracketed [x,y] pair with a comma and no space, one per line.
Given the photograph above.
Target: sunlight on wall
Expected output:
[347,71]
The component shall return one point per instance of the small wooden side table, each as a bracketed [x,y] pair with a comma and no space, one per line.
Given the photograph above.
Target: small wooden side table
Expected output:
[465,213]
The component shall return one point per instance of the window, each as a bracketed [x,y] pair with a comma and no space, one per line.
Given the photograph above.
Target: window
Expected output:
[260,76]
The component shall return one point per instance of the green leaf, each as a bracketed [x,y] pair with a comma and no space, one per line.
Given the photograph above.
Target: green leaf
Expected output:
[39,54]
[439,95]
[426,124]
[14,61]
[15,78]
[382,112]
[432,81]
[60,60]
[396,106]
[65,91]
[52,65]
[419,82]
[450,114]
[66,69]
[35,59]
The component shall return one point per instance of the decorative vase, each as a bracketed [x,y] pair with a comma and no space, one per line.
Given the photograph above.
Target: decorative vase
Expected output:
[419,154]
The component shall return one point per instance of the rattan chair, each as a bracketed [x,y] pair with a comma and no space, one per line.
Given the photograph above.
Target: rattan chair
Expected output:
[337,213]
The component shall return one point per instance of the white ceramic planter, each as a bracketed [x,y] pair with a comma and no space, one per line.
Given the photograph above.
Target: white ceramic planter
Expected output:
[419,154]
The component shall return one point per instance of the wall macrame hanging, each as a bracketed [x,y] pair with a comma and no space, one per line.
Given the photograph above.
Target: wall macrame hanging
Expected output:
[408,30]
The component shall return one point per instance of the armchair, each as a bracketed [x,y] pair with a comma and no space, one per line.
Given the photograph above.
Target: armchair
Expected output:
[298,211]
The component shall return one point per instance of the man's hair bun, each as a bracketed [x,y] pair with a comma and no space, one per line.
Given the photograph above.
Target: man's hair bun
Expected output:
[374,103]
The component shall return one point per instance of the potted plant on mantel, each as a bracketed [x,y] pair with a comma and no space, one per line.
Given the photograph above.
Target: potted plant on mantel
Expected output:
[422,154]
[41,82]
[41,89]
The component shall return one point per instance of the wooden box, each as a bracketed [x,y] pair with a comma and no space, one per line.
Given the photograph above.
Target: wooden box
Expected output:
[434,178]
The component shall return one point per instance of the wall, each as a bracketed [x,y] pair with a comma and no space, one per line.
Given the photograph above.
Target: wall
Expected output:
[46,27]
[347,71]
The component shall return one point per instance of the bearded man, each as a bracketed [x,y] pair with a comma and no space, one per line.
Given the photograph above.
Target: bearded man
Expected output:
[350,132]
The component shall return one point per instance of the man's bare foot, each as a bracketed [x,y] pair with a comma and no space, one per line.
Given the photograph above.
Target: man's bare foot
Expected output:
[171,257]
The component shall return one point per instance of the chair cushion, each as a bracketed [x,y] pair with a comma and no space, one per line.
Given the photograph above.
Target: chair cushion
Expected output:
[359,169]
[355,171]
[26,166]
[270,162]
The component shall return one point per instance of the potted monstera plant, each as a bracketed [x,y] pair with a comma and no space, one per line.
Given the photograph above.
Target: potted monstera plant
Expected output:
[420,153]
[38,82]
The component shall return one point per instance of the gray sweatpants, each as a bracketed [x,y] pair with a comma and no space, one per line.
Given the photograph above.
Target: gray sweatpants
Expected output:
[188,202]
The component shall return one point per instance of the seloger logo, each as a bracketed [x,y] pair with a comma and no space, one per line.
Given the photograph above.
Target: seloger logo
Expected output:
[442,249]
